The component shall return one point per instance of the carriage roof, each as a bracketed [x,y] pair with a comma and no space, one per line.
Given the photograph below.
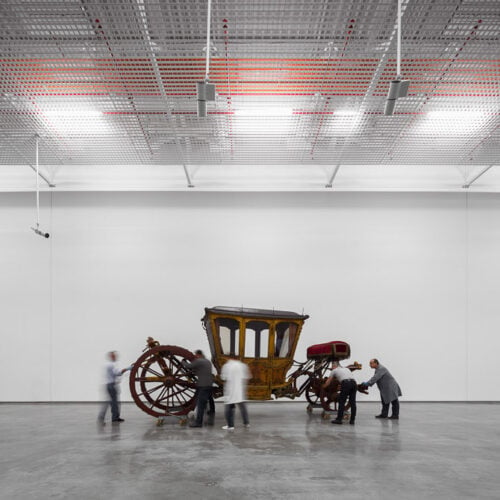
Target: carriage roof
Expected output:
[247,312]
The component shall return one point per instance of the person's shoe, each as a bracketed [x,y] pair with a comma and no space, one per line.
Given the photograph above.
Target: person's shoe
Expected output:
[194,424]
[393,418]
[351,422]
[380,416]
[100,421]
[118,420]
[246,426]
[227,428]
[210,422]
[338,422]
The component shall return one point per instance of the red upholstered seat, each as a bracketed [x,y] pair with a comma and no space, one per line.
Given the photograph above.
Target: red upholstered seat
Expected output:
[334,349]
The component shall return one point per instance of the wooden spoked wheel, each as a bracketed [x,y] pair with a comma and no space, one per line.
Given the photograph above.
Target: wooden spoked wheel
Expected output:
[328,396]
[315,394]
[159,383]
[313,390]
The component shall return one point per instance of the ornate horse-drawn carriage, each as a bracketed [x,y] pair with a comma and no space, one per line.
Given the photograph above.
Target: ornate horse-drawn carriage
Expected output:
[263,339]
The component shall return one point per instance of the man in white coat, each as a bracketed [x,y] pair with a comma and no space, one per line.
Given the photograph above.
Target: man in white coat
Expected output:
[235,375]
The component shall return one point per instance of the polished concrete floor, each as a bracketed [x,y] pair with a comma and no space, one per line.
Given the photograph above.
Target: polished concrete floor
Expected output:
[436,450]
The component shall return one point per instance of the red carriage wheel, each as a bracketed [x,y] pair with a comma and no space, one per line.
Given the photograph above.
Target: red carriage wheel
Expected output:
[159,383]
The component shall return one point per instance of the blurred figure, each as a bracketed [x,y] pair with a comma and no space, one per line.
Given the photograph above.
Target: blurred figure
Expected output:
[348,389]
[112,380]
[235,375]
[202,368]
[388,387]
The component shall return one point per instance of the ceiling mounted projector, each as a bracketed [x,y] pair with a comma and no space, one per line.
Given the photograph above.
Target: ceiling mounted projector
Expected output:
[397,89]
[205,92]
[40,233]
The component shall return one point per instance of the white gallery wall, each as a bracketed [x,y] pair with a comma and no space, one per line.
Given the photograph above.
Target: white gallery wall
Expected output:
[410,278]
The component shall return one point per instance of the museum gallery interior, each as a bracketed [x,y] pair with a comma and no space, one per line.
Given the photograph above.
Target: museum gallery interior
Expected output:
[286,182]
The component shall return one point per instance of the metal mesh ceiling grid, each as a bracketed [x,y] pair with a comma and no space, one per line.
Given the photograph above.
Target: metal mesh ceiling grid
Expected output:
[297,82]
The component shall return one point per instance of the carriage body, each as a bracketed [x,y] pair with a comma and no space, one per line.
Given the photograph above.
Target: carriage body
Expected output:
[263,339]
[162,384]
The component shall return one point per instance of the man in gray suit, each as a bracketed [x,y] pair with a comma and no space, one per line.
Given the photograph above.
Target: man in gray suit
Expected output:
[388,387]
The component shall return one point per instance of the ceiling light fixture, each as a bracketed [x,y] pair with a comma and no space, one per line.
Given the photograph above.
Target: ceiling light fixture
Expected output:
[206,90]
[77,120]
[74,113]
[465,114]
[442,123]
[398,87]
[346,112]
[258,112]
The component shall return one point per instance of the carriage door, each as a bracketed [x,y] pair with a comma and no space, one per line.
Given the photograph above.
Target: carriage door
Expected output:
[256,356]
[285,338]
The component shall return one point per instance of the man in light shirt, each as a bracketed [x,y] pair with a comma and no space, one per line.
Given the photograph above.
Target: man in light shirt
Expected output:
[112,379]
[348,389]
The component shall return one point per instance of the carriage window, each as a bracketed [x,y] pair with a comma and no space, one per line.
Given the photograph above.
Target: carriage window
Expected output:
[256,339]
[229,334]
[285,338]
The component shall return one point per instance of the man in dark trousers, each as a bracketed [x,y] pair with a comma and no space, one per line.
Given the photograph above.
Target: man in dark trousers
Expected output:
[388,387]
[112,374]
[202,368]
[348,389]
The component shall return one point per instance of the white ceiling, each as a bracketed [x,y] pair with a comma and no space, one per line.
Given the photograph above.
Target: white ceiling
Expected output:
[108,91]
